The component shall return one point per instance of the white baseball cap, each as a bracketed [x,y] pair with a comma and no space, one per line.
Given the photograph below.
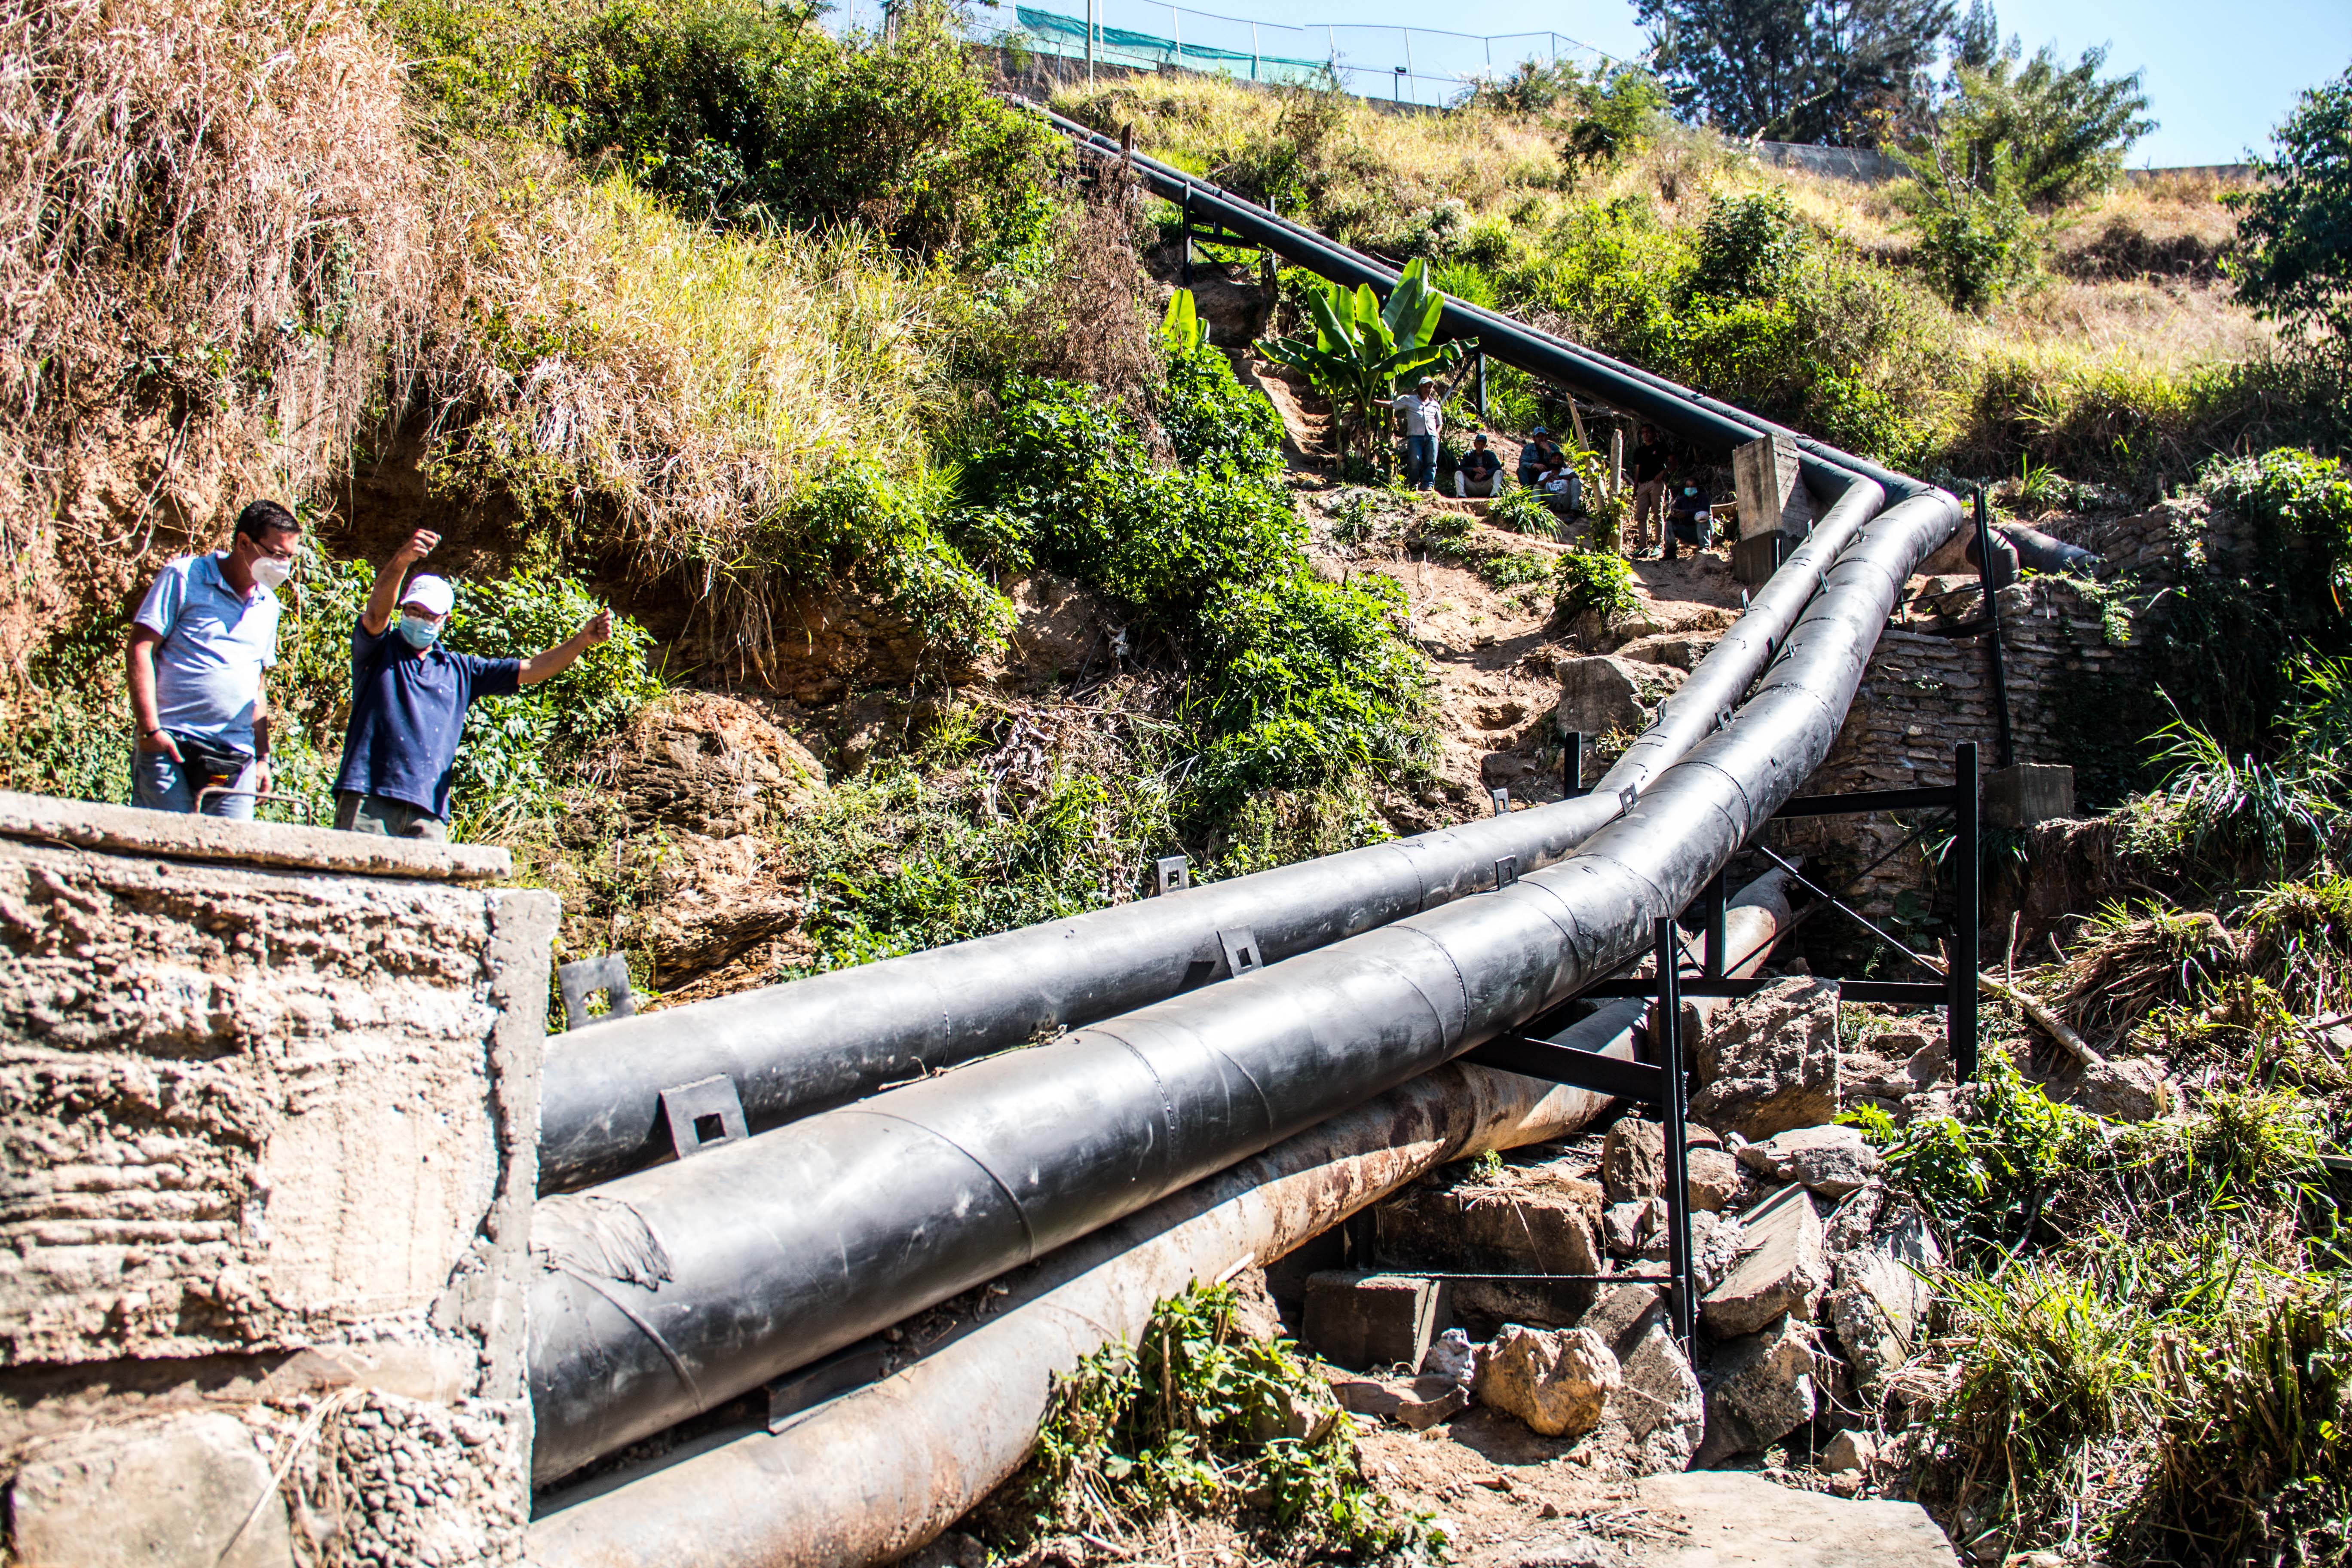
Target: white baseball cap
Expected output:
[431,594]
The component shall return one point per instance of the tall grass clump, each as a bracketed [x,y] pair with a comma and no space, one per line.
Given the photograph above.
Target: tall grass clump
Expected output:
[217,229]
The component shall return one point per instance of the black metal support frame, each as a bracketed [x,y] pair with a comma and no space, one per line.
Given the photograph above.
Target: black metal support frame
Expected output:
[1663,1084]
[1992,635]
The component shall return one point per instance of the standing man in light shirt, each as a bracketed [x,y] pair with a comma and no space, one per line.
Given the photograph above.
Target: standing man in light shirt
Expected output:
[1420,418]
[203,636]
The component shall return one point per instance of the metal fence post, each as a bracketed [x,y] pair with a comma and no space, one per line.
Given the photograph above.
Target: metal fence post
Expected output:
[1682,1305]
[1960,1013]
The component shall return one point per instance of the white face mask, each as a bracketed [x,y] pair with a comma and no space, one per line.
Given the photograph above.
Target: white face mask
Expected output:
[269,572]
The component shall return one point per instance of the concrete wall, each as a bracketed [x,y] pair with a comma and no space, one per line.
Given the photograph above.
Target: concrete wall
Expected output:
[270,1103]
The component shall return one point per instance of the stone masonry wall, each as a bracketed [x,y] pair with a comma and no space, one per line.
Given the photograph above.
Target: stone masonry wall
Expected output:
[1921,694]
[270,1103]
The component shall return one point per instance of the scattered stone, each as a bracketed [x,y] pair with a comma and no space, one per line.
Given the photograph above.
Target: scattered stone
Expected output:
[1452,1357]
[1599,694]
[1358,1320]
[1850,1450]
[1769,1062]
[1302,1415]
[1713,1179]
[1634,1160]
[1527,1219]
[1783,1269]
[1557,1382]
[2131,1090]
[1716,1241]
[1763,1389]
[1632,1225]
[1832,1161]
[1885,1253]
[173,1491]
[1420,1405]
[1658,1415]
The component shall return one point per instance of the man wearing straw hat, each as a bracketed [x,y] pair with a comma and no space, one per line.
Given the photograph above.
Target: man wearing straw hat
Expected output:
[409,697]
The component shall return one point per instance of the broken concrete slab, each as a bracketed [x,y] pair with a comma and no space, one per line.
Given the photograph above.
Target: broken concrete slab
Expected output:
[1526,1220]
[1783,1268]
[1653,1423]
[1769,1061]
[1358,1320]
[189,1489]
[1761,1389]
[1736,1519]
[1418,1405]
[1557,1382]
[1884,1255]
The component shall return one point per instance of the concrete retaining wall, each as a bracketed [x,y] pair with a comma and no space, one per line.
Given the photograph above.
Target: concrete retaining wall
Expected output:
[270,1103]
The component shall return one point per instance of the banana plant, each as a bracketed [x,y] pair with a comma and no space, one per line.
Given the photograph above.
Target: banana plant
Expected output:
[1181,330]
[1362,348]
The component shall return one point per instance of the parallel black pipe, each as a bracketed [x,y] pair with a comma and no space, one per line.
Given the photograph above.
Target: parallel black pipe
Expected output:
[672,1289]
[804,1047]
[1705,421]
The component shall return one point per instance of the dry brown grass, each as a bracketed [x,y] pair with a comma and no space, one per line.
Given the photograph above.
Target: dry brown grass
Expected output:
[213,223]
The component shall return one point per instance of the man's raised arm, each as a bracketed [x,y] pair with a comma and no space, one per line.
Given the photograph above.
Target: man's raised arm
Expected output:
[384,597]
[550,662]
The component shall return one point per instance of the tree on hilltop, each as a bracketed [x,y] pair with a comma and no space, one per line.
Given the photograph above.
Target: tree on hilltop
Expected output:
[1830,71]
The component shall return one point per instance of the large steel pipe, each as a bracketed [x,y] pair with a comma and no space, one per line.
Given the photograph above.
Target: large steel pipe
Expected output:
[669,1290]
[1706,421]
[804,1047]
[876,1473]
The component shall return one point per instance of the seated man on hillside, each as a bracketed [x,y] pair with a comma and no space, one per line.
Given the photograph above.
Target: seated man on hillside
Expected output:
[409,697]
[1561,486]
[1689,520]
[1480,472]
[1541,452]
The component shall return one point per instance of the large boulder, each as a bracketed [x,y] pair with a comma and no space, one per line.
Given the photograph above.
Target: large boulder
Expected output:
[1557,1382]
[710,764]
[1783,1269]
[1769,1061]
[1599,694]
[1762,1389]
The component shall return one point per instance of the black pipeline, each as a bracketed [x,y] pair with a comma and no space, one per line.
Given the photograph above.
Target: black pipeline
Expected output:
[670,1290]
[814,1044]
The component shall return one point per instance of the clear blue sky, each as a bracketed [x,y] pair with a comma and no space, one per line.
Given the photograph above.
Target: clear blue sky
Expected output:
[2219,77]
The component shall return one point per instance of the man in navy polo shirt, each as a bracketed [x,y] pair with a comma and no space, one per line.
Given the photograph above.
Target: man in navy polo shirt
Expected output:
[409,697]
[203,635]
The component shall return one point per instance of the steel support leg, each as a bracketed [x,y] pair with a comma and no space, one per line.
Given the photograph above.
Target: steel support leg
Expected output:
[1960,1013]
[1188,235]
[1572,765]
[1711,903]
[1683,1297]
[2001,729]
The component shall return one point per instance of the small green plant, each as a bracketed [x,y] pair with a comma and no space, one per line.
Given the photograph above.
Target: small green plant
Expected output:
[2272,813]
[1509,569]
[1487,1165]
[1988,1175]
[1522,511]
[1198,1415]
[1594,583]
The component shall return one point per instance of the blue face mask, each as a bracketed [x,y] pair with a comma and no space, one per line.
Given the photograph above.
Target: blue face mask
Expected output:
[421,634]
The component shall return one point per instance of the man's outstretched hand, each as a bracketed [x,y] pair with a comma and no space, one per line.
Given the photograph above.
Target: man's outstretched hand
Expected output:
[596,628]
[420,545]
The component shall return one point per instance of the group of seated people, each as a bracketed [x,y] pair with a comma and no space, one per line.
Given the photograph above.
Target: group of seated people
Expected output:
[1546,469]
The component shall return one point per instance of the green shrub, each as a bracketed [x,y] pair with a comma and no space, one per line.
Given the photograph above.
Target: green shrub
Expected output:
[2292,496]
[2063,129]
[2291,258]
[1509,569]
[751,112]
[1197,1415]
[1977,237]
[1305,681]
[1985,1176]
[1748,246]
[1594,583]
